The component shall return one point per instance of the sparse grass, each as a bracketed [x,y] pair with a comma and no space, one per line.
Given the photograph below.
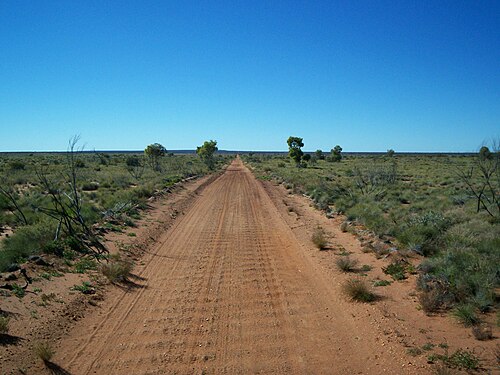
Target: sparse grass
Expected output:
[85,287]
[319,238]
[116,270]
[85,264]
[428,346]
[18,291]
[466,315]
[464,359]
[44,351]
[346,264]
[4,324]
[381,283]
[358,290]
[415,351]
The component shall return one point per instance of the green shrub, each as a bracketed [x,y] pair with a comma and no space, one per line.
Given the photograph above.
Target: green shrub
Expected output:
[85,287]
[25,241]
[381,283]
[397,270]
[464,359]
[465,314]
[424,232]
[85,264]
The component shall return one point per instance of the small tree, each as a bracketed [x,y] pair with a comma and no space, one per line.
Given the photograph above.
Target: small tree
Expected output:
[154,153]
[306,157]
[482,180]
[135,166]
[319,155]
[485,153]
[206,153]
[336,154]
[390,153]
[294,149]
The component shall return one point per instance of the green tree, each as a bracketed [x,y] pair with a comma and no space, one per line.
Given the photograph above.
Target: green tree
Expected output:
[390,153]
[336,154]
[206,153]
[294,149]
[306,157]
[154,153]
[485,153]
[319,155]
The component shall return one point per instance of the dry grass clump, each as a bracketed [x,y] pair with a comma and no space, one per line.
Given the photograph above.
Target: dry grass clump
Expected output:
[358,290]
[346,264]
[319,238]
[4,325]
[482,332]
[116,270]
[43,351]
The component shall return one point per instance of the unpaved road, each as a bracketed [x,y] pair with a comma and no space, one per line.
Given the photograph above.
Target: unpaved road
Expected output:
[227,290]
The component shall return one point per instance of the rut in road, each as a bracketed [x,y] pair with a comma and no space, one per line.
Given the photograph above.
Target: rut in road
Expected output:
[227,290]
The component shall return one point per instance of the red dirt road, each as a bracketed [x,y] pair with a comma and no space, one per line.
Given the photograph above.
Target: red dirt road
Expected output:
[227,290]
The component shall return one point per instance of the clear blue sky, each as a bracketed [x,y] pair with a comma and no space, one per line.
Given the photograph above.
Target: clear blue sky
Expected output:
[368,75]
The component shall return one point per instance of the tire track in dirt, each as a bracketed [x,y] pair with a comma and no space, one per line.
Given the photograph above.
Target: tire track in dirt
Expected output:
[227,290]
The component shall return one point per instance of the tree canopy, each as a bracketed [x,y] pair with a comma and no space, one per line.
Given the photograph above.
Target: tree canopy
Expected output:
[294,148]
[154,153]
[206,153]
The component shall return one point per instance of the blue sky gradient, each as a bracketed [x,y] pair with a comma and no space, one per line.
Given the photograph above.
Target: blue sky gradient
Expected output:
[368,75]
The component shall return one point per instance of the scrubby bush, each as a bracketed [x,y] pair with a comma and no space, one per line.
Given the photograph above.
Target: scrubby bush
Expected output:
[482,332]
[358,290]
[116,270]
[44,351]
[319,238]
[26,241]
[4,325]
[346,264]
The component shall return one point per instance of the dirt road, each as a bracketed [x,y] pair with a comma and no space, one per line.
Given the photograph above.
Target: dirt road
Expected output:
[228,290]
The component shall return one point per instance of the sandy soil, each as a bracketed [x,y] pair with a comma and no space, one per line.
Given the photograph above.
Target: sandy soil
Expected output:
[235,286]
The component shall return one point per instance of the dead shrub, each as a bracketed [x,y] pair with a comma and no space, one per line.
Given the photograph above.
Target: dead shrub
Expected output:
[346,264]
[430,300]
[482,332]
[319,238]
[116,270]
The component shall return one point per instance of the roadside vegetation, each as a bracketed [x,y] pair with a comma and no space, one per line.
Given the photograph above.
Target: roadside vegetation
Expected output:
[442,209]
[61,203]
